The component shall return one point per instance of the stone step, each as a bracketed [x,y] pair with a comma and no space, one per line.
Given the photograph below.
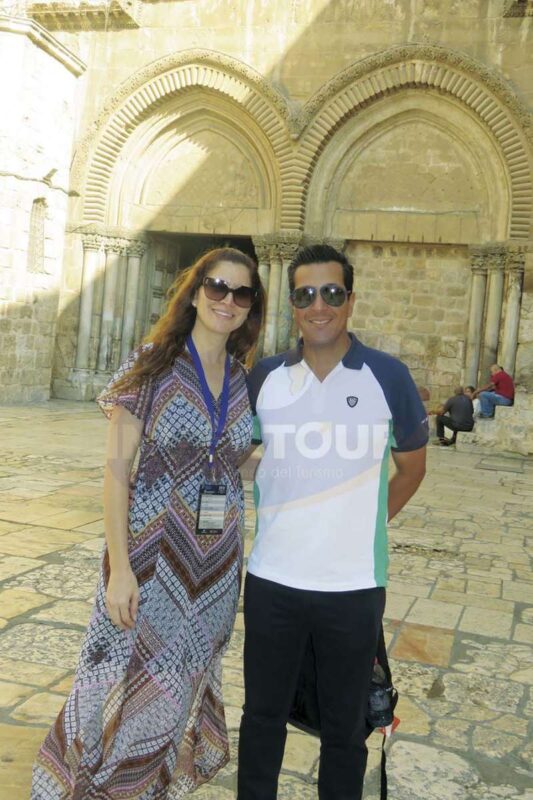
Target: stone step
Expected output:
[511,430]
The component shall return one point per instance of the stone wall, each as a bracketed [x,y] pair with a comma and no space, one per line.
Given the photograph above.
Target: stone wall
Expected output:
[524,356]
[36,131]
[412,302]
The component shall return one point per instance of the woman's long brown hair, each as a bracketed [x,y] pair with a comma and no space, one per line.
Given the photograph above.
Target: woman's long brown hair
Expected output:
[169,333]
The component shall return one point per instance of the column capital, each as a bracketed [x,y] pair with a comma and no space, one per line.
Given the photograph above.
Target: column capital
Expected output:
[114,245]
[92,241]
[262,247]
[478,260]
[135,247]
[516,258]
[496,257]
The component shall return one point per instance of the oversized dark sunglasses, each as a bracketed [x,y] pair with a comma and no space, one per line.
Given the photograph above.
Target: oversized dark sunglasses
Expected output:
[217,289]
[331,293]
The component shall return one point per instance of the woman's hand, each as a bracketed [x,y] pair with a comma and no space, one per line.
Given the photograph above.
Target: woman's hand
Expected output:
[122,598]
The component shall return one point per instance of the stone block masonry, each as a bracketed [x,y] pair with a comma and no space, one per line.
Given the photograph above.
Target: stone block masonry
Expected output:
[412,302]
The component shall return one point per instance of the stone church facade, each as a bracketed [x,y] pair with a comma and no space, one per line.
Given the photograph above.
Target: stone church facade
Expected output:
[140,133]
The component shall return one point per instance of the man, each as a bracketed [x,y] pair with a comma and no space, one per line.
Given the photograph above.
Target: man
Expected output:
[499,392]
[457,414]
[329,414]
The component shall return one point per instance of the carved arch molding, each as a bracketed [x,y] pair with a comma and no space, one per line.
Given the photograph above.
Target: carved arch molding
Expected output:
[298,137]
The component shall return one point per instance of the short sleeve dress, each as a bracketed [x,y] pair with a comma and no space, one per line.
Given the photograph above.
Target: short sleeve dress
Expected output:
[145,718]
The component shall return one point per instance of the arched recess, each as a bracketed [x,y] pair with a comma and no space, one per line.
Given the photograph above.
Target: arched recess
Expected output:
[196,166]
[414,167]
[250,101]
[436,69]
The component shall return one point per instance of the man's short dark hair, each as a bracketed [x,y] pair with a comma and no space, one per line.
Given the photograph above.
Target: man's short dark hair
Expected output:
[321,254]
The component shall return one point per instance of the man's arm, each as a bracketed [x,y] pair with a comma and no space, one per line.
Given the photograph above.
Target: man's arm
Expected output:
[410,470]
[488,388]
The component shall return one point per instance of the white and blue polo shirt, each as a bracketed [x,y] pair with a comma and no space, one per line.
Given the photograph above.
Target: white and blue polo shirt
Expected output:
[321,487]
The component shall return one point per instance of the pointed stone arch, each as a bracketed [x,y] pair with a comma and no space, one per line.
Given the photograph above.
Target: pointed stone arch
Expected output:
[149,89]
[432,68]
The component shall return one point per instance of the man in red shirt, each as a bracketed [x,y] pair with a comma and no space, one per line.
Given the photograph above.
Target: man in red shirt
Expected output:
[499,392]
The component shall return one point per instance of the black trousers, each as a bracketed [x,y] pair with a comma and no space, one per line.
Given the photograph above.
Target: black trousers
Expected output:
[443,420]
[344,627]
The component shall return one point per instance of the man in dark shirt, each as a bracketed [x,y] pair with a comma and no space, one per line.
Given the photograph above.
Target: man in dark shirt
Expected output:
[457,414]
[499,392]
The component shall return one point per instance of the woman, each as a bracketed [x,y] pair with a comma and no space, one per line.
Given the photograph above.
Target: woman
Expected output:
[145,718]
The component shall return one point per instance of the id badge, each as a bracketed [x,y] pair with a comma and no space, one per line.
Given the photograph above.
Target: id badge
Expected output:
[211,508]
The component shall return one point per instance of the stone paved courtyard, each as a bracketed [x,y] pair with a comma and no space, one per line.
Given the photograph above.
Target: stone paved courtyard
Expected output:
[459,618]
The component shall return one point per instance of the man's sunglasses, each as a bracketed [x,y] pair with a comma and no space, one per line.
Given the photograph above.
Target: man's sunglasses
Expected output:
[331,293]
[217,289]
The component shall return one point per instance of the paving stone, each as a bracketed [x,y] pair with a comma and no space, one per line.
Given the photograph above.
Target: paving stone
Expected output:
[486,622]
[413,720]
[523,633]
[18,748]
[67,611]
[424,644]
[16,565]
[42,708]
[521,591]
[14,602]
[69,581]
[397,605]
[452,733]
[435,613]
[494,743]
[26,672]
[473,688]
[42,644]
[38,541]
[13,693]
[418,771]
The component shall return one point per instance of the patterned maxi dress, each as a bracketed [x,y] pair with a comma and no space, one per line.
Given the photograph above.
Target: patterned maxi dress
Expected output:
[145,718]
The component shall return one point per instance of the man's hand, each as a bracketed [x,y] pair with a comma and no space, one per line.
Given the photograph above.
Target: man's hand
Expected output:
[122,598]
[410,471]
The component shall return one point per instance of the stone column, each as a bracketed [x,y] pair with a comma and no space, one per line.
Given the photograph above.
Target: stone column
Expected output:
[287,249]
[475,315]
[91,256]
[496,257]
[113,251]
[262,251]
[119,307]
[135,253]
[515,278]
[271,327]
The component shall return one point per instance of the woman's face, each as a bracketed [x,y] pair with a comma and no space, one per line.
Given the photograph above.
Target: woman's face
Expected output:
[223,316]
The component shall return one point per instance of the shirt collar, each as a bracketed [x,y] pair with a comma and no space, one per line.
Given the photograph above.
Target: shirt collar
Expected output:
[353,358]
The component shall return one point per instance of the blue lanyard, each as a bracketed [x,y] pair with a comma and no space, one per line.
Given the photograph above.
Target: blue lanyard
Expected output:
[208,397]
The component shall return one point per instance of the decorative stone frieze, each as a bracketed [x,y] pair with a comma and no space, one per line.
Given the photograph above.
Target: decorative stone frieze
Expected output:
[76,15]
[43,39]
[518,8]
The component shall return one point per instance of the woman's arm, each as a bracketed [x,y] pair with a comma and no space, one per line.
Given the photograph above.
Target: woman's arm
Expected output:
[124,436]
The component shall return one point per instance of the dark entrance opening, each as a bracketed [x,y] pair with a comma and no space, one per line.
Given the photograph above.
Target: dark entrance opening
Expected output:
[170,253]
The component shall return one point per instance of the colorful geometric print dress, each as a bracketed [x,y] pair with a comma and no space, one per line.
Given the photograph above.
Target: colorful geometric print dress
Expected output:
[145,718]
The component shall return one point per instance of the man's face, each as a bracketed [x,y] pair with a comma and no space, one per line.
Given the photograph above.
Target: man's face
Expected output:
[494,369]
[320,324]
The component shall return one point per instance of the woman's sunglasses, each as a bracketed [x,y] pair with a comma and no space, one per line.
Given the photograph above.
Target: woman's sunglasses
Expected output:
[217,289]
[331,293]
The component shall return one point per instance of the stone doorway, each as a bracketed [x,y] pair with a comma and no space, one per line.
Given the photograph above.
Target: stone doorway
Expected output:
[170,253]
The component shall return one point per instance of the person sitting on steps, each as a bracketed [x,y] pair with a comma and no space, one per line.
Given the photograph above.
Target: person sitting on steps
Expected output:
[498,392]
[457,414]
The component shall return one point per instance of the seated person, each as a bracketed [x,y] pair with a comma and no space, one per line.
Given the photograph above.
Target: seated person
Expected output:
[499,392]
[457,414]
[470,392]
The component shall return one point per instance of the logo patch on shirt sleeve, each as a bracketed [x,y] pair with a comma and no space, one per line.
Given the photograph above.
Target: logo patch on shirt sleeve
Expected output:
[352,401]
